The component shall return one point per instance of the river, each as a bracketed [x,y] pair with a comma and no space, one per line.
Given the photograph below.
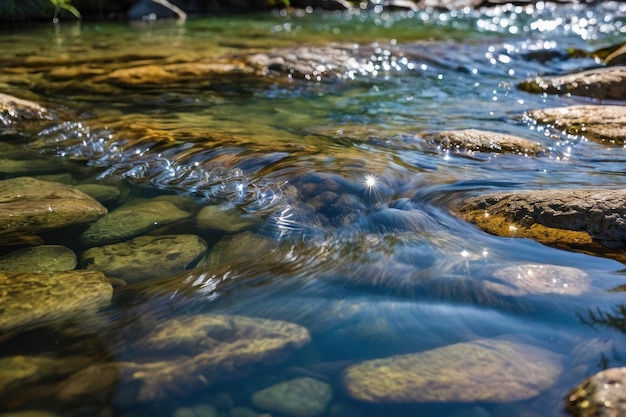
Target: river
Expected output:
[334,170]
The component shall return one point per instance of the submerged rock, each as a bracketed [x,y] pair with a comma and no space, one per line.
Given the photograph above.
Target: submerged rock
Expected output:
[198,410]
[145,257]
[34,299]
[186,354]
[44,258]
[599,123]
[484,370]
[228,220]
[601,395]
[18,370]
[589,220]
[241,247]
[132,219]
[485,141]
[539,279]
[28,206]
[602,83]
[300,397]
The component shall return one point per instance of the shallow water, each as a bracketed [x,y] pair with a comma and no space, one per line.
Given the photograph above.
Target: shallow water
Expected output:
[388,270]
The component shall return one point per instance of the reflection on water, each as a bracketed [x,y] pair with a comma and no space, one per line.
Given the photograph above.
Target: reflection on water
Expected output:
[311,177]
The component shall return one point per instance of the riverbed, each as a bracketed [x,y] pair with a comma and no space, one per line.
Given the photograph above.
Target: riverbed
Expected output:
[337,205]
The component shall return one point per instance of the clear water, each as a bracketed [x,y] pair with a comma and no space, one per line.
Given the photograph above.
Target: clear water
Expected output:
[246,144]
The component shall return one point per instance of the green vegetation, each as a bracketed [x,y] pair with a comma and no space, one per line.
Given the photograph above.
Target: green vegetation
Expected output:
[65,5]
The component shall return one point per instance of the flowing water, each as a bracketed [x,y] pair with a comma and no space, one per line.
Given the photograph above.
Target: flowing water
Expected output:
[335,172]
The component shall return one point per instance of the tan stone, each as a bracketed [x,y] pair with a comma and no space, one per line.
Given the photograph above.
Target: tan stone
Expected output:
[484,370]
[601,83]
[596,122]
[28,205]
[34,299]
[485,141]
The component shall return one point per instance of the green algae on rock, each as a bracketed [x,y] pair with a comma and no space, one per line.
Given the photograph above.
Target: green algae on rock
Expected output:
[132,219]
[587,220]
[485,141]
[300,397]
[488,370]
[28,206]
[43,258]
[34,299]
[601,123]
[145,257]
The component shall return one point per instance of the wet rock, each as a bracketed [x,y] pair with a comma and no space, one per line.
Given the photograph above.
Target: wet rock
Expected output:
[30,166]
[228,220]
[14,109]
[132,219]
[30,413]
[539,279]
[244,412]
[198,410]
[105,194]
[145,257]
[601,395]
[602,83]
[28,205]
[588,220]
[507,371]
[187,354]
[599,123]
[15,371]
[239,248]
[35,299]
[300,397]
[485,141]
[44,258]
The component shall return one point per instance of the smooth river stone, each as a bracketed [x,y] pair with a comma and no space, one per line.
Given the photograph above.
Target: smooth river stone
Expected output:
[131,220]
[28,206]
[44,258]
[189,353]
[239,248]
[597,122]
[607,83]
[539,279]
[487,370]
[485,141]
[18,370]
[300,397]
[34,299]
[104,193]
[226,220]
[145,257]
